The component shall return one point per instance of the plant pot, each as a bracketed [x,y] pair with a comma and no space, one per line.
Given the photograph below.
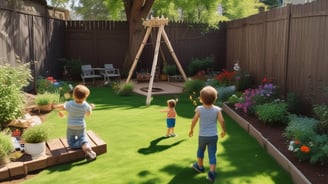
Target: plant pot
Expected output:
[163,77]
[4,160]
[45,108]
[36,150]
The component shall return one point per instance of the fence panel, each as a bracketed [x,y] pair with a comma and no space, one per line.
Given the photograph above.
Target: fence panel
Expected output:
[286,44]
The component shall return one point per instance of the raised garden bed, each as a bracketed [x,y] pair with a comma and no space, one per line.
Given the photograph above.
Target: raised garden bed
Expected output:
[271,139]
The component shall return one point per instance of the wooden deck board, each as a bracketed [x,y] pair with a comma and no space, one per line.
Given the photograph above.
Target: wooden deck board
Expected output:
[57,152]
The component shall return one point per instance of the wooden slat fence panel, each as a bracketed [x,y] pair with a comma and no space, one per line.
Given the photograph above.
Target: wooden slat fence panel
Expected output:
[287,44]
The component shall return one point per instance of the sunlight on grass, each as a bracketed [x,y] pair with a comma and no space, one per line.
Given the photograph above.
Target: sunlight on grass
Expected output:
[138,153]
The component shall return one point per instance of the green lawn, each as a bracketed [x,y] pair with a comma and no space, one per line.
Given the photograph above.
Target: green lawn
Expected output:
[138,153]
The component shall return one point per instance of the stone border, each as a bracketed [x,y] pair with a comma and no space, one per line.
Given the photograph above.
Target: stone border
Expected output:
[296,174]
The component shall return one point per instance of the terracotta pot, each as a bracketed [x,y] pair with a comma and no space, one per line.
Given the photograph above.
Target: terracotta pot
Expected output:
[4,160]
[45,108]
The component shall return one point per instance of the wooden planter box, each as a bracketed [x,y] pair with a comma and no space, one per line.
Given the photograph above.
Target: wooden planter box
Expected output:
[296,174]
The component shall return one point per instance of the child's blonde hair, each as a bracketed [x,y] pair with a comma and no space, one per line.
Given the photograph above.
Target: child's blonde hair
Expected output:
[208,95]
[171,103]
[80,93]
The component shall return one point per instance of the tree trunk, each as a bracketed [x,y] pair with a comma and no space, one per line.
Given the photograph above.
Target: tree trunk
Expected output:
[135,11]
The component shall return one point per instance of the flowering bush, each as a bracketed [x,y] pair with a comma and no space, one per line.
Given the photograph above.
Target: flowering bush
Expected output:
[247,102]
[305,142]
[265,93]
[226,78]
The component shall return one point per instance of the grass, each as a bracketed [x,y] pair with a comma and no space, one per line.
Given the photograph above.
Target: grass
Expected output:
[138,153]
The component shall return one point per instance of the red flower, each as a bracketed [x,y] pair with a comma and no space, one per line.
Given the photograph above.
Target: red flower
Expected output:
[226,77]
[305,149]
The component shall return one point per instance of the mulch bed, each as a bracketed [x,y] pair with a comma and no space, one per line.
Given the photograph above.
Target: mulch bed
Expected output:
[314,173]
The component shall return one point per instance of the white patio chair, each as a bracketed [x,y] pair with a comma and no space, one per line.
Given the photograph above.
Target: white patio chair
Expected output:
[110,72]
[88,73]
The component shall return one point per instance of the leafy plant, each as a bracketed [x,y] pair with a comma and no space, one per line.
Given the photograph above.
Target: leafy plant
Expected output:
[300,128]
[193,86]
[125,89]
[274,113]
[46,98]
[243,81]
[6,146]
[170,69]
[36,134]
[321,112]
[306,143]
[200,64]
[225,93]
[235,98]
[294,103]
[12,99]
[73,67]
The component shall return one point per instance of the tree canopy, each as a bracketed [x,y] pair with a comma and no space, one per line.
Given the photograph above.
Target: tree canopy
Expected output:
[210,12]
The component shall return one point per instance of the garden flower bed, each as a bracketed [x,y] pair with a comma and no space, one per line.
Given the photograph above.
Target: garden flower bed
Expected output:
[272,140]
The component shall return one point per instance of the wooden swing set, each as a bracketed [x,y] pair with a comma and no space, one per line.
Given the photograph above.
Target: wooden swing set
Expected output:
[153,23]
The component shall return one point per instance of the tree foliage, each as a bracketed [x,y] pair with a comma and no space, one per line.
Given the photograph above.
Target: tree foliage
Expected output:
[92,10]
[235,9]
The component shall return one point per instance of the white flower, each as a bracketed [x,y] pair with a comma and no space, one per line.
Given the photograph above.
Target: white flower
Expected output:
[236,67]
[291,146]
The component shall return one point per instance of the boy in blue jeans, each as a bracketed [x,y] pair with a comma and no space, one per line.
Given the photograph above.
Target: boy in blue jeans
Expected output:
[209,115]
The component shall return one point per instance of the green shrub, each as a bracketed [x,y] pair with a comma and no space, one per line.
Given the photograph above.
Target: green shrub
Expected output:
[300,128]
[125,89]
[193,86]
[198,64]
[305,142]
[6,145]
[235,98]
[321,112]
[46,98]
[12,99]
[294,103]
[36,134]
[243,81]
[73,66]
[170,69]
[274,113]
[225,93]
[44,85]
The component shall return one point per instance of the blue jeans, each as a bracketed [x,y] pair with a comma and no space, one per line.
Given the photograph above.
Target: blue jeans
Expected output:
[211,143]
[76,138]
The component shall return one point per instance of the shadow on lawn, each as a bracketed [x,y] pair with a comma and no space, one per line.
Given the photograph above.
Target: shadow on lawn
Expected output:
[184,175]
[153,147]
[67,166]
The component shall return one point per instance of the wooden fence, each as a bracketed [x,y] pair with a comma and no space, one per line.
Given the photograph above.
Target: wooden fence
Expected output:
[100,42]
[28,34]
[286,44]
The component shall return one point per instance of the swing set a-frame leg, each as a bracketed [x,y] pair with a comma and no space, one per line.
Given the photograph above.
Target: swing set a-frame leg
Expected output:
[143,43]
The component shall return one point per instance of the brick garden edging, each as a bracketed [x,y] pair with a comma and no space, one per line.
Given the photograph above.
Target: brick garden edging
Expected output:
[296,174]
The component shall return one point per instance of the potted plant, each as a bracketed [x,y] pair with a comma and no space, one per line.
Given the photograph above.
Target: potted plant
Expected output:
[34,138]
[6,147]
[46,100]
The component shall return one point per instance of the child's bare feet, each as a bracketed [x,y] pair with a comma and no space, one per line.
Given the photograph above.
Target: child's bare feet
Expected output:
[90,155]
